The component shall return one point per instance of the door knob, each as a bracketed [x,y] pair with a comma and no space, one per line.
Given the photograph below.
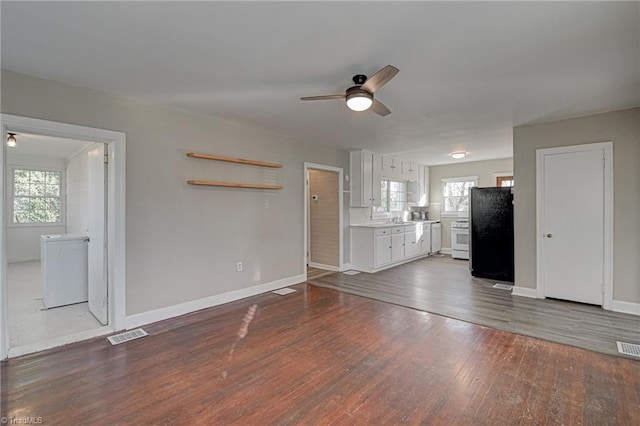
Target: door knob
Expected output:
[549,235]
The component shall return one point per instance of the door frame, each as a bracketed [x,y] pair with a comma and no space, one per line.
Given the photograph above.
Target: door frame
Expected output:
[607,151]
[116,231]
[340,172]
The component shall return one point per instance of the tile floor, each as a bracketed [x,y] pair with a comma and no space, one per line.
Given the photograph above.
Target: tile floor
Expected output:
[29,322]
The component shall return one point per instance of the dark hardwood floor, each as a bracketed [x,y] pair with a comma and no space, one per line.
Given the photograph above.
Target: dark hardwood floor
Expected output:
[319,356]
[444,286]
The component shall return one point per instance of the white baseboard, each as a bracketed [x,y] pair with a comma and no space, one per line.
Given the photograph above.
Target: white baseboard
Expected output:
[445,250]
[626,307]
[524,292]
[58,341]
[346,267]
[323,266]
[149,317]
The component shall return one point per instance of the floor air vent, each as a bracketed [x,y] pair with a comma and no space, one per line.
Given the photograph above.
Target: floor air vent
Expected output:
[503,286]
[284,291]
[628,349]
[127,336]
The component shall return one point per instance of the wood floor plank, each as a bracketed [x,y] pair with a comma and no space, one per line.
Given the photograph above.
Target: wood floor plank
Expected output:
[318,356]
[444,286]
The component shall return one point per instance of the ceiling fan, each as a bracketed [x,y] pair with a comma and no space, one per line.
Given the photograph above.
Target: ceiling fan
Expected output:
[360,97]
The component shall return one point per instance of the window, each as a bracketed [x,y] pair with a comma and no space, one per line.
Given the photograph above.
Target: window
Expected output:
[455,194]
[503,181]
[36,196]
[393,197]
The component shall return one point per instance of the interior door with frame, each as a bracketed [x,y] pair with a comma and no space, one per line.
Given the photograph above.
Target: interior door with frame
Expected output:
[573,225]
[98,284]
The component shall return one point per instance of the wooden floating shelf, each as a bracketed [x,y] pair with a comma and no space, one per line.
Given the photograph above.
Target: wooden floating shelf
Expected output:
[234,160]
[233,184]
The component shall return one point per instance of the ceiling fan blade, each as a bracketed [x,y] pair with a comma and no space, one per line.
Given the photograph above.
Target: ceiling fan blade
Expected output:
[379,108]
[321,98]
[380,78]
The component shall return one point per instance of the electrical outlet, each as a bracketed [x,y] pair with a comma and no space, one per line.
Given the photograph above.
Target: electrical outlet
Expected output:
[239,266]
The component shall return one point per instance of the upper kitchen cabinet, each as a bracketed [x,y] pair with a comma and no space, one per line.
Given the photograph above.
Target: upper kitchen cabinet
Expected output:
[392,168]
[410,170]
[418,190]
[366,177]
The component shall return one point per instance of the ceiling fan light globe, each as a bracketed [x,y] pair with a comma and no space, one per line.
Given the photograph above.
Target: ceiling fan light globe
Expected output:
[359,102]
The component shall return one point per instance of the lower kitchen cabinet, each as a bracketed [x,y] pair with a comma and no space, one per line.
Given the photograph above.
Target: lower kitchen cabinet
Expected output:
[377,248]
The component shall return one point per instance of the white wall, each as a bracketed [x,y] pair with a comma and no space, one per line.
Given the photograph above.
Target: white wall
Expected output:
[77,192]
[23,242]
[183,242]
[485,170]
[621,127]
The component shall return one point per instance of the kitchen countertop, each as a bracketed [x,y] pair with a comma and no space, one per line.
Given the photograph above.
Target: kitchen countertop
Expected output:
[390,224]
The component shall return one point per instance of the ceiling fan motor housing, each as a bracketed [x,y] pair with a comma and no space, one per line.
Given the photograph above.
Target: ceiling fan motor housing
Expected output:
[359,79]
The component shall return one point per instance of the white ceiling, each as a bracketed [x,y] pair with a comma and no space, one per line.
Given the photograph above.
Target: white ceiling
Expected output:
[469,72]
[28,144]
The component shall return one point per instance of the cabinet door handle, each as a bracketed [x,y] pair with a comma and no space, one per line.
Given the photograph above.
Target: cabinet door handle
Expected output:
[389,246]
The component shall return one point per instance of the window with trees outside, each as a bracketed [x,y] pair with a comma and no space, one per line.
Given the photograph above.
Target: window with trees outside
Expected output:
[36,196]
[393,197]
[455,194]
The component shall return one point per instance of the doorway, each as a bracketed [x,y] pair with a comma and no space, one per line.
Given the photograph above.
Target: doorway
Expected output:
[575,223]
[323,217]
[98,165]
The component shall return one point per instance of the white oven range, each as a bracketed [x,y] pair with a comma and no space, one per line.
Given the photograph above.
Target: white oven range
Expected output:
[460,239]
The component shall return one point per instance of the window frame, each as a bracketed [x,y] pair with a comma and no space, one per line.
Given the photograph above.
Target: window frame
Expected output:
[11,180]
[444,181]
[388,213]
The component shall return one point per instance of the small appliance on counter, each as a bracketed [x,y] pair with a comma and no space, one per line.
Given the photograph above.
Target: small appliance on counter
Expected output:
[419,215]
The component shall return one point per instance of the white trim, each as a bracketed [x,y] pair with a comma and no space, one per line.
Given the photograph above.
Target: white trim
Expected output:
[323,266]
[58,341]
[346,267]
[161,314]
[445,250]
[340,172]
[444,181]
[626,307]
[116,237]
[607,152]
[11,171]
[524,292]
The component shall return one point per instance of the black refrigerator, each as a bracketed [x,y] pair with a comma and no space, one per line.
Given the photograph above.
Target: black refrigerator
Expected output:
[491,233]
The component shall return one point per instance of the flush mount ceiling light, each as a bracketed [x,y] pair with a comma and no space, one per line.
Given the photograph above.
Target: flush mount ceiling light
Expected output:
[458,155]
[11,140]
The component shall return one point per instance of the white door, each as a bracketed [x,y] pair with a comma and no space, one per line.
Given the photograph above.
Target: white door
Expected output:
[383,250]
[97,233]
[573,226]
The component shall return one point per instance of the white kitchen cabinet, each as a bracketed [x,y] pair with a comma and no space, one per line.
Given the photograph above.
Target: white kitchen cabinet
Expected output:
[374,248]
[412,239]
[418,190]
[392,168]
[397,247]
[382,250]
[366,176]
[411,171]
